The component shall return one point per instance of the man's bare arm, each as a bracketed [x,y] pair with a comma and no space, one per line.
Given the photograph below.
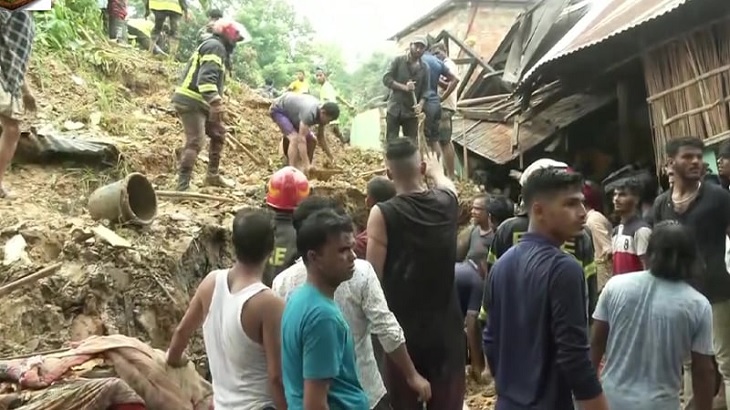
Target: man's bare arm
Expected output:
[322,140]
[193,319]
[273,307]
[377,248]
[462,242]
[453,81]
[599,339]
[703,381]
[315,394]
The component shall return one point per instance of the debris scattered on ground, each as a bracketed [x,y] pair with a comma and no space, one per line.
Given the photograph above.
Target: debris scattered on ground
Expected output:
[136,280]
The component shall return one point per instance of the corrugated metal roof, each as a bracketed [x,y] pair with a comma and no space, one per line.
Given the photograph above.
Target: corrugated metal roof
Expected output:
[493,140]
[605,19]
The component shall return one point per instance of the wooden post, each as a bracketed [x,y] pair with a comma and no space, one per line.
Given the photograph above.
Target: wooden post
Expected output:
[623,96]
[465,152]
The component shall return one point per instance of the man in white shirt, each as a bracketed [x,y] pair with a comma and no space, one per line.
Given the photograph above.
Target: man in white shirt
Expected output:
[448,109]
[363,304]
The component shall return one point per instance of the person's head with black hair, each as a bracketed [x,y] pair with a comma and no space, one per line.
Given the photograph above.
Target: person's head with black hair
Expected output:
[685,159]
[300,75]
[320,75]
[723,160]
[329,111]
[672,252]
[405,165]
[325,240]
[439,50]
[312,204]
[379,189]
[479,212]
[553,198]
[627,197]
[500,208]
[253,236]
[214,14]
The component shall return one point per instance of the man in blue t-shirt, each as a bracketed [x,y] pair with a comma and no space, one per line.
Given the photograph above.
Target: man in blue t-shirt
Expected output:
[437,70]
[318,355]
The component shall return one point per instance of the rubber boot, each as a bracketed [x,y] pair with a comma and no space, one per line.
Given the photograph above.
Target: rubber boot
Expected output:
[183,180]
[213,178]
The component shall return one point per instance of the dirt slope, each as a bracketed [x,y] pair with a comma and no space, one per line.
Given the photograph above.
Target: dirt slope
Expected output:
[122,96]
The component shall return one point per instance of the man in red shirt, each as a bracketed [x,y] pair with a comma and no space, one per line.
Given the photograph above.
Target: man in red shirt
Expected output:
[631,236]
[379,189]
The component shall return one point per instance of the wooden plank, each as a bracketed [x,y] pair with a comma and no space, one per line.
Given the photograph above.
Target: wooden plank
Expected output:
[463,60]
[481,100]
[471,53]
[694,111]
[465,80]
[717,138]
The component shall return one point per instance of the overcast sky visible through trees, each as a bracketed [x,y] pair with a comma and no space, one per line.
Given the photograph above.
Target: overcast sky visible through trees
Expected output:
[361,27]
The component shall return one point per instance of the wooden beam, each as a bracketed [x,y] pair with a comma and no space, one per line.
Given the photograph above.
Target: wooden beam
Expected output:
[470,52]
[465,80]
[481,100]
[481,115]
[464,60]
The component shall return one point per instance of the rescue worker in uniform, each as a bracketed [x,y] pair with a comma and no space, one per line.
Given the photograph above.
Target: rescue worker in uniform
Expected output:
[163,10]
[198,100]
[207,30]
[285,190]
[511,230]
[140,34]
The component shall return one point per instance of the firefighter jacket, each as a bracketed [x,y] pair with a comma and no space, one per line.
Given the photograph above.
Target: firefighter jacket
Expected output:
[204,74]
[175,6]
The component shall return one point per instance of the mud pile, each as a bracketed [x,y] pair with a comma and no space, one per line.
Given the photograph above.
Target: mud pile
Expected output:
[141,290]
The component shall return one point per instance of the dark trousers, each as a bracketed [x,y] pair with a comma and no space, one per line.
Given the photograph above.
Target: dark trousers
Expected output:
[447,393]
[196,126]
[394,123]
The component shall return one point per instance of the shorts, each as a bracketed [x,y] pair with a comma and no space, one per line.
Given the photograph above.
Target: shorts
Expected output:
[469,287]
[160,16]
[10,106]
[285,125]
[432,110]
[446,125]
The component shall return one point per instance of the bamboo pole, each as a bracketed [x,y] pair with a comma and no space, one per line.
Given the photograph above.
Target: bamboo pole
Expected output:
[43,273]
[192,195]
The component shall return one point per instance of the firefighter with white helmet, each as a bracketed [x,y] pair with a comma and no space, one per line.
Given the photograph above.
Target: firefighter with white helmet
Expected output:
[199,101]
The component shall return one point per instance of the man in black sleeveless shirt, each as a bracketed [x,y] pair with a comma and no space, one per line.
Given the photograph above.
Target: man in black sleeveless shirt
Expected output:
[412,246]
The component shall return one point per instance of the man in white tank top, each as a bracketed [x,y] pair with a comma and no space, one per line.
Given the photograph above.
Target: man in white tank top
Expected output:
[241,320]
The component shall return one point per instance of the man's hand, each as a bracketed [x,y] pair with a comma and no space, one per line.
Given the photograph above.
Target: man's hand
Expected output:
[29,102]
[433,164]
[411,85]
[418,108]
[176,362]
[421,386]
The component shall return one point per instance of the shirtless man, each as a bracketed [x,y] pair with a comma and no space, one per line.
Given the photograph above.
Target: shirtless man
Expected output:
[295,115]
[241,318]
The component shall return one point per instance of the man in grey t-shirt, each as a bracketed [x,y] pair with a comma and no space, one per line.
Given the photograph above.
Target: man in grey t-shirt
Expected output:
[295,115]
[648,323]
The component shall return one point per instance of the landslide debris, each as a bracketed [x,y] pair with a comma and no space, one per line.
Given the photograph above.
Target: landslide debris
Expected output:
[121,96]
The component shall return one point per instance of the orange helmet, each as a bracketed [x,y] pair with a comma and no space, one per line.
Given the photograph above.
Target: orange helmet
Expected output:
[286,189]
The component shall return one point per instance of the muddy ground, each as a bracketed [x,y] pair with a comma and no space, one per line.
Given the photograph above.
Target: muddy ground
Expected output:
[122,97]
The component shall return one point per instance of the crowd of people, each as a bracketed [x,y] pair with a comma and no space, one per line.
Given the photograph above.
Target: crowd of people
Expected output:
[377,319]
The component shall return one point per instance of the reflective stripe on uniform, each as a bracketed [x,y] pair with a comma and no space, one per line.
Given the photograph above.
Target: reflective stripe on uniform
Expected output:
[166,5]
[589,270]
[207,88]
[213,59]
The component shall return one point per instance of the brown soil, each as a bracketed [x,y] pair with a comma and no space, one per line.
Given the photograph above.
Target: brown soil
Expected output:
[144,290]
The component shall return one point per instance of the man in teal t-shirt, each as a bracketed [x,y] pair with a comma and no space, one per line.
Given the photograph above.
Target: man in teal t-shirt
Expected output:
[316,344]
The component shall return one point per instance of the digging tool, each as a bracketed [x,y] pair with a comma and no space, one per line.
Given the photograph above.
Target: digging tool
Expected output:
[420,137]
[43,273]
[193,195]
[240,147]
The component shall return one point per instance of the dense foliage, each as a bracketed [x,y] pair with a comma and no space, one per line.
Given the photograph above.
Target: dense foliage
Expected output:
[282,43]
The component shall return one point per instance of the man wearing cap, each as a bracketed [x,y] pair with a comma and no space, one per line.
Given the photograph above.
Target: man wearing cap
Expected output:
[511,230]
[407,79]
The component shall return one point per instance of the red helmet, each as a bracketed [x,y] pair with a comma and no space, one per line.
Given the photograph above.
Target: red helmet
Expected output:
[231,30]
[286,189]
